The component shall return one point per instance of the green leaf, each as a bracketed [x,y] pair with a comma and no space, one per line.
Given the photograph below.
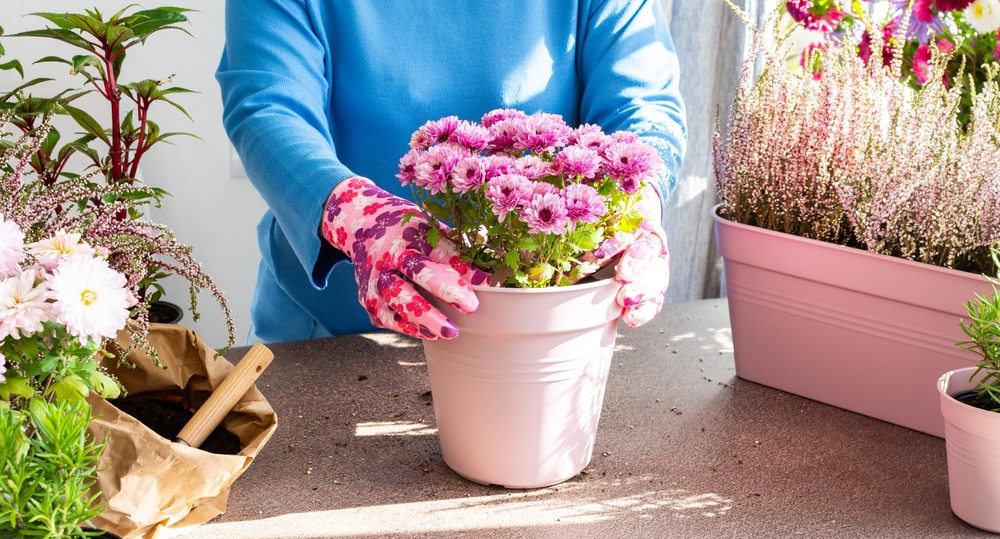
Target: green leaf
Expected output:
[512,259]
[144,23]
[88,123]
[105,386]
[65,36]
[88,24]
[70,389]
[59,19]
[40,367]
[527,243]
[13,64]
[116,35]
[83,60]
[433,236]
[16,386]
[53,59]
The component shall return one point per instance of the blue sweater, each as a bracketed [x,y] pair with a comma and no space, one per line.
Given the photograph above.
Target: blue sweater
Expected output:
[317,91]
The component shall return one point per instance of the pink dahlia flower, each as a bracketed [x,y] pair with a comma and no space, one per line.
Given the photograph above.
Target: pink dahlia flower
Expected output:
[546,213]
[584,204]
[11,247]
[91,299]
[23,306]
[507,192]
[578,161]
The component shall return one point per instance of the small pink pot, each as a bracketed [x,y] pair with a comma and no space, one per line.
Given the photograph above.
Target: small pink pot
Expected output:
[518,393]
[858,330]
[972,436]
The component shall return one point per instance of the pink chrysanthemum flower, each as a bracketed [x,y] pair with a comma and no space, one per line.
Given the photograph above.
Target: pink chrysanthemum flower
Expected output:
[434,132]
[584,130]
[507,192]
[11,247]
[498,165]
[541,188]
[498,115]
[471,136]
[546,213]
[533,167]
[578,161]
[434,167]
[584,204]
[630,163]
[503,132]
[469,174]
[407,166]
[541,133]
[91,299]
[50,251]
[23,306]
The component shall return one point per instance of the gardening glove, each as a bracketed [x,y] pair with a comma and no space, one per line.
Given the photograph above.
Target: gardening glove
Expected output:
[366,223]
[644,268]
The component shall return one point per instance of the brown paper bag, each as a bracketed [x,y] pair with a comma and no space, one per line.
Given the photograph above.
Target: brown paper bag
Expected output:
[156,488]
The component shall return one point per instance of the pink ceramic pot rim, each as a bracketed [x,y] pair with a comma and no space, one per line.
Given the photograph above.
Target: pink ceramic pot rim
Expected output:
[964,376]
[837,246]
[546,290]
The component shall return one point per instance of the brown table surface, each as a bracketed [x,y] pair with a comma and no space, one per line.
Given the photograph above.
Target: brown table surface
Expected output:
[684,449]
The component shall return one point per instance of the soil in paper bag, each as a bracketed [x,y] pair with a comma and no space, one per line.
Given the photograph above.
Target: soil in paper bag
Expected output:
[168,418]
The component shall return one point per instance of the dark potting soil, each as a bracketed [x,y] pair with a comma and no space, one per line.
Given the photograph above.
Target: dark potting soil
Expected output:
[168,418]
[974,399]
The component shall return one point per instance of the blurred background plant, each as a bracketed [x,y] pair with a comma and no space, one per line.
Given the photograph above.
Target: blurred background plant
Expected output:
[849,152]
[102,200]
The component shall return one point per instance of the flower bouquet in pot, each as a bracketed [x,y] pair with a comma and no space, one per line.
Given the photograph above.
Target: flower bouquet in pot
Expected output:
[970,403]
[57,307]
[857,211]
[540,207]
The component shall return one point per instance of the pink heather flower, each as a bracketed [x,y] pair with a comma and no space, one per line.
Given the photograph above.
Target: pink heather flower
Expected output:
[814,17]
[546,213]
[586,129]
[471,136]
[576,161]
[533,167]
[434,132]
[584,204]
[507,192]
[630,163]
[434,168]
[498,115]
[922,59]
[503,132]
[469,173]
[813,54]
[498,165]
[11,247]
[407,166]
[23,306]
[542,133]
[91,299]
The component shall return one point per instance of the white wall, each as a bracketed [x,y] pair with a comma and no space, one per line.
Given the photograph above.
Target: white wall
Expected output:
[214,208]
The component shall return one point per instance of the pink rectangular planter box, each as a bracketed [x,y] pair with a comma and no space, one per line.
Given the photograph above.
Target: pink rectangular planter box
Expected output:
[857,330]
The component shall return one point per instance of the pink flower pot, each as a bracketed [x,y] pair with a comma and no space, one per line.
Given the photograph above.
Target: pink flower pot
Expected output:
[973,439]
[518,393]
[857,330]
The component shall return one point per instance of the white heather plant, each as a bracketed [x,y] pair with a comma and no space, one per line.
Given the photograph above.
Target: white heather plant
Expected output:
[846,153]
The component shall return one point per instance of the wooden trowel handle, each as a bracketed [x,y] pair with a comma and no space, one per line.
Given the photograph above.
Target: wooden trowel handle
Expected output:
[229,392]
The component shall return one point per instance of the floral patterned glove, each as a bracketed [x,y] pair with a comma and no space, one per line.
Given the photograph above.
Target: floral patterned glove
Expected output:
[644,268]
[366,223]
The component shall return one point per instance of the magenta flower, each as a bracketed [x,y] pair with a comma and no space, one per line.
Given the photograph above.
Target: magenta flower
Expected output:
[924,20]
[498,165]
[532,167]
[497,115]
[996,53]
[584,204]
[407,165]
[630,163]
[434,132]
[952,5]
[586,129]
[434,168]
[813,16]
[541,133]
[469,173]
[865,45]
[502,134]
[471,136]
[576,161]
[546,213]
[541,188]
[507,192]
[922,59]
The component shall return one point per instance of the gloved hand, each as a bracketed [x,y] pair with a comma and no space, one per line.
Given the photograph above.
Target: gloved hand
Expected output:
[644,268]
[365,222]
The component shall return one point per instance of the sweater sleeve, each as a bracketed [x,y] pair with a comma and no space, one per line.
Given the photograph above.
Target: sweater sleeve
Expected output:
[629,72]
[275,91]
